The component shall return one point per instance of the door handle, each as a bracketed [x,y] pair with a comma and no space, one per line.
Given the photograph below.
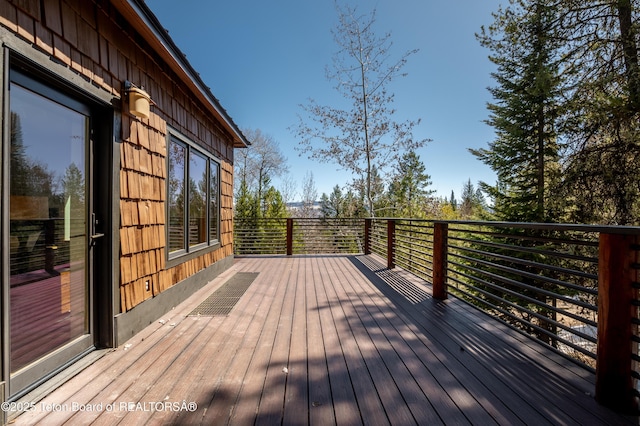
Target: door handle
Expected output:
[94,223]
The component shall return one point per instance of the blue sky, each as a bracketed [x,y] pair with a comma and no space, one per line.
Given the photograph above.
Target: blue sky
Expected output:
[262,59]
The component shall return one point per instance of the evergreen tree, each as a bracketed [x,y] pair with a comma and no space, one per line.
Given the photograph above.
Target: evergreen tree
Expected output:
[408,190]
[28,176]
[525,47]
[275,208]
[246,206]
[525,153]
[377,195]
[453,202]
[354,205]
[341,205]
[73,185]
[332,205]
[471,200]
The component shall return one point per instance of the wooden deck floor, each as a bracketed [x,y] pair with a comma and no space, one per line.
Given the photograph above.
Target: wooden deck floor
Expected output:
[327,340]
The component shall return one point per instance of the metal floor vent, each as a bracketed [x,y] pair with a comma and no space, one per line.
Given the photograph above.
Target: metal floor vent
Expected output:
[222,301]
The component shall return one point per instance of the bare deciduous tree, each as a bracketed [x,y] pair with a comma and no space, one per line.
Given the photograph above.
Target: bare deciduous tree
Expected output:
[258,164]
[309,195]
[365,136]
[288,188]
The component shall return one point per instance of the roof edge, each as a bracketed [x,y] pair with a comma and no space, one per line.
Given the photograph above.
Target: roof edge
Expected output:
[157,36]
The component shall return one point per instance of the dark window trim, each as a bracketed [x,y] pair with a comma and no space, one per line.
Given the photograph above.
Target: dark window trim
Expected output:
[189,253]
[62,79]
[218,197]
[48,92]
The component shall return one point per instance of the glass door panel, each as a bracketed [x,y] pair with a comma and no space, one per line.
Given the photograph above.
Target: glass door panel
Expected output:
[48,226]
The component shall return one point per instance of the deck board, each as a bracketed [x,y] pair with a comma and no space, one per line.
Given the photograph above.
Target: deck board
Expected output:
[330,340]
[321,410]
[296,392]
[343,396]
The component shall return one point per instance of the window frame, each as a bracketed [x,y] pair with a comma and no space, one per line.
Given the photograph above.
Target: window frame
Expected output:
[189,251]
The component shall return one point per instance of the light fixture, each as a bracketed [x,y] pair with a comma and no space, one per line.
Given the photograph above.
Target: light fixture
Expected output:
[139,100]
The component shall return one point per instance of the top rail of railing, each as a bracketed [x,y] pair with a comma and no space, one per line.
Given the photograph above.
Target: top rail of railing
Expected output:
[607,229]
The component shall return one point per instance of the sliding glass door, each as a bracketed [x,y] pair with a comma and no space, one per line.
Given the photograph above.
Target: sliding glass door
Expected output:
[50,226]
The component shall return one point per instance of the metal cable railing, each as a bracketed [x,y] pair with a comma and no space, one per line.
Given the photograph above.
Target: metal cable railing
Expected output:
[44,244]
[260,236]
[327,236]
[414,247]
[541,281]
[298,236]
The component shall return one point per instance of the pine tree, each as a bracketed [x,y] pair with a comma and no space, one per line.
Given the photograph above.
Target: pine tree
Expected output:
[471,200]
[525,153]
[274,206]
[453,202]
[331,206]
[246,206]
[342,205]
[409,188]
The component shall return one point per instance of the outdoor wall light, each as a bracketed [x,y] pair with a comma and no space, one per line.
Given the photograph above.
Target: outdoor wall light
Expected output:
[139,100]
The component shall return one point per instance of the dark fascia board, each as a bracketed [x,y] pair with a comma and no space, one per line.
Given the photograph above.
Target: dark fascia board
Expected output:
[154,33]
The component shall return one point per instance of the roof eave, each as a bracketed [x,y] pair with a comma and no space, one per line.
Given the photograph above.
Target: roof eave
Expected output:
[149,27]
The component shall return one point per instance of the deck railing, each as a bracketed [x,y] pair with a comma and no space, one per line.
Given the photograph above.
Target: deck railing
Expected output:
[298,236]
[574,288]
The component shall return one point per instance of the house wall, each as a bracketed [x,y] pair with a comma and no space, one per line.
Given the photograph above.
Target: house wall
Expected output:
[94,41]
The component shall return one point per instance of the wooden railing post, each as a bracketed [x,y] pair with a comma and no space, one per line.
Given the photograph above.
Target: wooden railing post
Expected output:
[367,236]
[289,236]
[391,243]
[618,257]
[440,249]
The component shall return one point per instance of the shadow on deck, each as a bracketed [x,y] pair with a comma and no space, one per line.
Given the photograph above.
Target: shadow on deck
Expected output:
[327,340]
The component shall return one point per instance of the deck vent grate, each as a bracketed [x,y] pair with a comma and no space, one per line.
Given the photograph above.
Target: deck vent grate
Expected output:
[222,301]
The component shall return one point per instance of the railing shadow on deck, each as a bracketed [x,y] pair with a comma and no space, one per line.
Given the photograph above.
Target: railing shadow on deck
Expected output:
[572,287]
[484,351]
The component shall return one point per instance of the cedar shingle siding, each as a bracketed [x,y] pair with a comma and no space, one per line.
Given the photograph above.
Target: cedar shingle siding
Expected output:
[96,41]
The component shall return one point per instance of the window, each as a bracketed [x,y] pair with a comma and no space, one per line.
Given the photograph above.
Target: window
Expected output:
[192,198]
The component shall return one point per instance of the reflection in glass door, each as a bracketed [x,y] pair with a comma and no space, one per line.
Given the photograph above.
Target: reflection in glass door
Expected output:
[48,226]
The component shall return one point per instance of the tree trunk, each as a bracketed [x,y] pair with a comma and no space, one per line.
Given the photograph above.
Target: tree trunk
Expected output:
[628,38]
[540,190]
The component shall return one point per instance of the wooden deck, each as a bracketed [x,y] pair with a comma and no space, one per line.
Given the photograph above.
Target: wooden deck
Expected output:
[327,340]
